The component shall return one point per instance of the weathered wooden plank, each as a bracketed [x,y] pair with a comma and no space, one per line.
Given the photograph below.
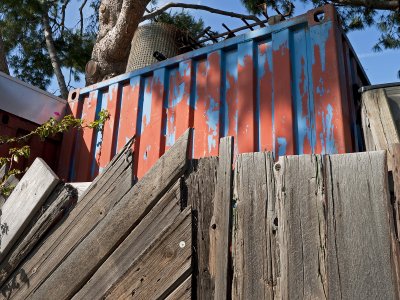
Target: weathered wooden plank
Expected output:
[26,198]
[81,187]
[396,180]
[360,253]
[301,228]
[254,243]
[163,267]
[95,203]
[201,189]
[395,216]
[77,267]
[60,201]
[220,222]
[139,241]
[378,124]
[182,292]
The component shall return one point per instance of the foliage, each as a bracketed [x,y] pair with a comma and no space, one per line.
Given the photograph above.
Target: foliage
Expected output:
[353,18]
[48,129]
[183,20]
[24,41]
[22,31]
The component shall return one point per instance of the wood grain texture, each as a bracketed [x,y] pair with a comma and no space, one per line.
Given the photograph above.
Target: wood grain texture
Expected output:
[254,243]
[163,267]
[81,187]
[200,186]
[182,292]
[95,203]
[220,222]
[146,235]
[360,251]
[396,181]
[395,216]
[25,200]
[378,124]
[59,202]
[301,228]
[78,267]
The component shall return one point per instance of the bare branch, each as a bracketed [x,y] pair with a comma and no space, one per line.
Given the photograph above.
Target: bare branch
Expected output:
[81,14]
[199,7]
[380,5]
[3,59]
[63,9]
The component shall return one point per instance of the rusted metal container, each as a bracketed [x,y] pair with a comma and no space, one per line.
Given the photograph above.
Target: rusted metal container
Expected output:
[23,108]
[290,88]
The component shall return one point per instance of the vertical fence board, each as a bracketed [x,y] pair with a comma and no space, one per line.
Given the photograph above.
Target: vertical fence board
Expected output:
[395,152]
[301,228]
[359,231]
[220,221]
[253,237]
[201,189]
[378,124]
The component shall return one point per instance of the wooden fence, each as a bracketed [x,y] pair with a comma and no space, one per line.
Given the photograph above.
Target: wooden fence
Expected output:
[224,227]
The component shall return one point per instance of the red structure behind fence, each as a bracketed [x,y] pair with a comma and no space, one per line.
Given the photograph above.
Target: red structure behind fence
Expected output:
[288,88]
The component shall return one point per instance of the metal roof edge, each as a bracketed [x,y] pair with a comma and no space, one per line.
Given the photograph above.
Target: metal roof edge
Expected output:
[378,86]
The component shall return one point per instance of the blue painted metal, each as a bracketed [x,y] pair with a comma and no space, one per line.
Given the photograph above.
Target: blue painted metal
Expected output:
[283,88]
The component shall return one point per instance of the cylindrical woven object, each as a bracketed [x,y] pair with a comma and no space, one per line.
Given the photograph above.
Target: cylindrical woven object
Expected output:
[149,38]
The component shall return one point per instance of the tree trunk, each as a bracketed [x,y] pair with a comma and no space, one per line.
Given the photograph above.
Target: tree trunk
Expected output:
[3,59]
[55,62]
[118,21]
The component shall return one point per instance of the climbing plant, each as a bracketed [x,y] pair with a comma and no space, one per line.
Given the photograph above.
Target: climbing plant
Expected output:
[48,129]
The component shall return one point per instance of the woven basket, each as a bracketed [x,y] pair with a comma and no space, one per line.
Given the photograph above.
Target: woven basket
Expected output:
[149,38]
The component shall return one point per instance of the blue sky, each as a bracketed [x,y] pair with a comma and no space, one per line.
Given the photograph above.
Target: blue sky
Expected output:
[381,67]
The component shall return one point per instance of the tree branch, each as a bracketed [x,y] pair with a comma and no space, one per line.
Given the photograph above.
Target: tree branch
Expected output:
[81,14]
[3,58]
[55,62]
[199,7]
[63,9]
[380,5]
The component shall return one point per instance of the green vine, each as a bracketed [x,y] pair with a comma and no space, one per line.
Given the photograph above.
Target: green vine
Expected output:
[48,129]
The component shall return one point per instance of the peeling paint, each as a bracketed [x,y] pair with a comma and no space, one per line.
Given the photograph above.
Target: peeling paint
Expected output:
[319,37]
[212,123]
[276,89]
[282,144]
[327,137]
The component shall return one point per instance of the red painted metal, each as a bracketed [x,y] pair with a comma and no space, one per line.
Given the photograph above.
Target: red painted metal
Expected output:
[14,126]
[288,88]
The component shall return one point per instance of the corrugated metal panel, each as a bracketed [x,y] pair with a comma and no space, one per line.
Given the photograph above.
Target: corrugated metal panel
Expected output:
[288,88]
[13,126]
[28,102]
